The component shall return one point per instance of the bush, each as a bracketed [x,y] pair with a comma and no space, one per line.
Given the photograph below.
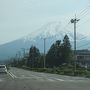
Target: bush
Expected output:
[62,70]
[88,74]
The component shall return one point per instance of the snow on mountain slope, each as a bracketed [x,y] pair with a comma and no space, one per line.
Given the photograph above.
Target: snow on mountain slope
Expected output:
[52,31]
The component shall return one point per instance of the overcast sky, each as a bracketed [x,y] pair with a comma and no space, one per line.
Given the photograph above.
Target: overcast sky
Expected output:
[20,17]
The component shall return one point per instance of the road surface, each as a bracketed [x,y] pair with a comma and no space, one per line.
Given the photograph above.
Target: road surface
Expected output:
[19,79]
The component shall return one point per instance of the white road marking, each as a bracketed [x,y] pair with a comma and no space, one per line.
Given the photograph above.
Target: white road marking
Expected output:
[1,80]
[27,77]
[12,75]
[50,80]
[24,77]
[59,79]
[41,78]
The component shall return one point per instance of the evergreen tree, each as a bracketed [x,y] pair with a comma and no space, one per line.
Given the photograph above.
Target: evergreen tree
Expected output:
[34,56]
[53,57]
[41,61]
[66,49]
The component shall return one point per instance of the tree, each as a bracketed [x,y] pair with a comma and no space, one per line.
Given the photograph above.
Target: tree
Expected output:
[34,56]
[66,49]
[53,57]
[41,61]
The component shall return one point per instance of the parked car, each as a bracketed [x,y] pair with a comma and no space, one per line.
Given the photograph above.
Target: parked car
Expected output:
[3,69]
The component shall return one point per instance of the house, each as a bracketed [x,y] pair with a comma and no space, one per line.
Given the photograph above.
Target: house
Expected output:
[83,58]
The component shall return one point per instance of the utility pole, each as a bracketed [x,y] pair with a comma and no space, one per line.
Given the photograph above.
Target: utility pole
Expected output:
[75,20]
[23,49]
[44,52]
[19,54]
[16,58]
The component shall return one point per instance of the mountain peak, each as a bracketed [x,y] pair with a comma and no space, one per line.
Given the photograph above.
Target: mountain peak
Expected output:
[51,30]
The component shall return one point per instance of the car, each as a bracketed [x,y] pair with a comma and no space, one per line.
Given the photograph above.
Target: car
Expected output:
[3,69]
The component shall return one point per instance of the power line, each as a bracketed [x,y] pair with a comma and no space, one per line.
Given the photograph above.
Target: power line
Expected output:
[83,16]
[83,45]
[83,23]
[83,38]
[83,11]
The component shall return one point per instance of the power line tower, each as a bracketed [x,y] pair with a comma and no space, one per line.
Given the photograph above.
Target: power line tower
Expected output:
[75,20]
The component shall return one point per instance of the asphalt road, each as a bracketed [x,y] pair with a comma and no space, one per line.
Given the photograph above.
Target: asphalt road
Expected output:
[19,79]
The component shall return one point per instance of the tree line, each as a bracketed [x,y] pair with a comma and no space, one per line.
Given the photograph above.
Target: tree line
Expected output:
[59,53]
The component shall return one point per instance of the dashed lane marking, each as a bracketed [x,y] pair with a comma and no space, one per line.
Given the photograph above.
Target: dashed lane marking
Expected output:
[51,80]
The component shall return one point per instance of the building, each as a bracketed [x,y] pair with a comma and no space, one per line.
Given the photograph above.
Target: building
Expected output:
[83,58]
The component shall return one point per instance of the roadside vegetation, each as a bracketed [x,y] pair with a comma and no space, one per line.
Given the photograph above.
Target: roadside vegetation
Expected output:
[58,60]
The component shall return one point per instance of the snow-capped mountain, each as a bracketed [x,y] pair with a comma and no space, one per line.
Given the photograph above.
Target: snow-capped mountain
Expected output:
[52,31]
